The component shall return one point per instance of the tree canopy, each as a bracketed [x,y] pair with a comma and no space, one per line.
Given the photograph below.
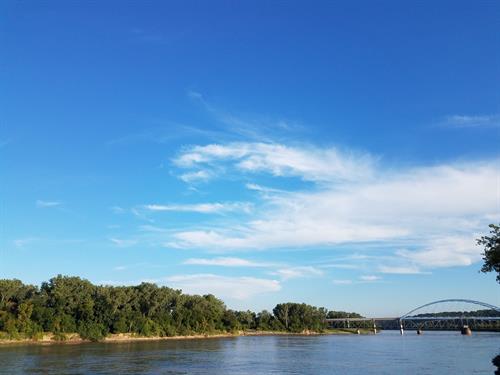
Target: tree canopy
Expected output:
[491,255]
[67,304]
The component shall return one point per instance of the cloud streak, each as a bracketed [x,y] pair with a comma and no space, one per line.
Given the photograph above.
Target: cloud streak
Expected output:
[342,282]
[245,126]
[298,272]
[432,213]
[239,288]
[309,164]
[123,242]
[472,121]
[226,262]
[204,208]
[369,278]
[284,272]
[47,204]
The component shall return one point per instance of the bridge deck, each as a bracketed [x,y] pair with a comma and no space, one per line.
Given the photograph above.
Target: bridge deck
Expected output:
[358,319]
[490,318]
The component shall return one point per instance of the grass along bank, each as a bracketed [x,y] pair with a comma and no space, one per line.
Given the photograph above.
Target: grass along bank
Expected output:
[75,338]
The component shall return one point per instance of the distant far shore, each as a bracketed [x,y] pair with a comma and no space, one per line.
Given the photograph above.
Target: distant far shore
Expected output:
[74,338]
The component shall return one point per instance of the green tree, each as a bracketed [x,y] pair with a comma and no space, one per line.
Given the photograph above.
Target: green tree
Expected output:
[264,320]
[230,321]
[491,255]
[70,304]
[70,297]
[342,315]
[246,319]
[13,293]
[281,312]
[92,331]
[297,317]
[24,317]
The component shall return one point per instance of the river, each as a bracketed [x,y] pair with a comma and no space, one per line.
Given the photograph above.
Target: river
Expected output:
[384,353]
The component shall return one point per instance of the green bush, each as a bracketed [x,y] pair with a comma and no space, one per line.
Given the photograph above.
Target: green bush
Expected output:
[34,331]
[92,331]
[120,325]
[150,328]
[11,328]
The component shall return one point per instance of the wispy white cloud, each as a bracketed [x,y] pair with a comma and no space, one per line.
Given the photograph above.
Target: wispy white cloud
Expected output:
[46,204]
[283,271]
[245,126]
[434,212]
[139,213]
[205,208]
[347,266]
[342,282]
[308,163]
[298,272]
[125,267]
[262,189]
[118,210]
[400,270]
[369,278]
[164,134]
[196,176]
[472,121]
[226,262]
[123,242]
[364,279]
[153,229]
[46,241]
[226,287]
[239,288]
[447,251]
[22,242]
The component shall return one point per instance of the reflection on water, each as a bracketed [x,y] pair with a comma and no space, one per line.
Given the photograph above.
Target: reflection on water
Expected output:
[386,353]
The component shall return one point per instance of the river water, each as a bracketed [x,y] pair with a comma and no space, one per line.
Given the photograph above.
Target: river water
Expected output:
[384,353]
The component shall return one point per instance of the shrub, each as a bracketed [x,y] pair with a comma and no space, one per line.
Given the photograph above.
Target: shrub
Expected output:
[92,331]
[11,328]
[150,328]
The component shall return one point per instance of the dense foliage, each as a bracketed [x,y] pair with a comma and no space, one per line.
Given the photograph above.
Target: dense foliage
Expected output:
[491,255]
[342,315]
[74,305]
[461,314]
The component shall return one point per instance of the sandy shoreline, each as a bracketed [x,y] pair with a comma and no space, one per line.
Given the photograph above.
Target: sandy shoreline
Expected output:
[73,338]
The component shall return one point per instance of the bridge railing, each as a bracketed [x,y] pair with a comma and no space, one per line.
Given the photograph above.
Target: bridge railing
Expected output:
[417,321]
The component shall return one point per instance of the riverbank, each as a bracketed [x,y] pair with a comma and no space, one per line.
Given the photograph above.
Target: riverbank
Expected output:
[74,338]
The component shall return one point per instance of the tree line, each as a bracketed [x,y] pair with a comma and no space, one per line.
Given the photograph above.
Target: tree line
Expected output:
[73,305]
[460,314]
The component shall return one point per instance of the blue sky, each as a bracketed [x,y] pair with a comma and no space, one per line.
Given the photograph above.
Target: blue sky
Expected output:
[343,154]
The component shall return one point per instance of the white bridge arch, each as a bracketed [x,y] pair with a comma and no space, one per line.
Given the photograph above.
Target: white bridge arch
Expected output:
[483,316]
[487,306]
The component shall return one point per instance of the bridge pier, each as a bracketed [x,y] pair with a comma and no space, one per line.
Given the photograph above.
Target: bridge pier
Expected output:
[419,331]
[466,330]
[374,327]
[401,329]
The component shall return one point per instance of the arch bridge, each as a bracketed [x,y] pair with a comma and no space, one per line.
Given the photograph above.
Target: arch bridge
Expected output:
[447,314]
